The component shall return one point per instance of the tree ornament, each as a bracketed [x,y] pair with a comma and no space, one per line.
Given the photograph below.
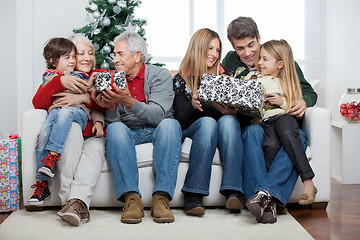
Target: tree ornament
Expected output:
[117,9]
[128,25]
[107,48]
[121,3]
[105,65]
[93,6]
[115,14]
[96,46]
[96,14]
[106,21]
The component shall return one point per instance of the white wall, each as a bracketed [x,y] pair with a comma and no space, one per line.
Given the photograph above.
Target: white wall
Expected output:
[342,51]
[8,85]
[25,26]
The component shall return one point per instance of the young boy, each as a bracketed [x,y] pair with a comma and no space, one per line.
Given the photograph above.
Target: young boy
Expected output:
[60,56]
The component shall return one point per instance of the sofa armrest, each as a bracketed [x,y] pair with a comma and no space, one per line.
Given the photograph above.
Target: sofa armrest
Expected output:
[317,126]
[31,122]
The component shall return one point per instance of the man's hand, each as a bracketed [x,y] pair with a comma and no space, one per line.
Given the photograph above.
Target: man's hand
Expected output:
[299,109]
[99,100]
[225,109]
[119,96]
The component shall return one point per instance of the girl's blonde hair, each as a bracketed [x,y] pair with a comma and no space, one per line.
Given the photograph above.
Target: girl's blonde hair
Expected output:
[193,66]
[289,79]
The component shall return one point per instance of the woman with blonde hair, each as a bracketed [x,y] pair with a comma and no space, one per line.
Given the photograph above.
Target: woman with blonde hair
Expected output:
[209,127]
[283,90]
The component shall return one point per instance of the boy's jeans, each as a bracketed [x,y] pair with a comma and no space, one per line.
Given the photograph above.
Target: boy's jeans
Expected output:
[54,132]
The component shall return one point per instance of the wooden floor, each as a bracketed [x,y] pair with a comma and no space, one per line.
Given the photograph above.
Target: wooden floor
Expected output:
[340,221]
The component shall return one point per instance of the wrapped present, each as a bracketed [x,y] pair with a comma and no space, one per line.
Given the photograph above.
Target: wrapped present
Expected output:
[108,79]
[246,95]
[9,174]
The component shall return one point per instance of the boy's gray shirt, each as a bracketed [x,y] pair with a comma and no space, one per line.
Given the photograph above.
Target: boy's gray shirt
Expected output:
[159,95]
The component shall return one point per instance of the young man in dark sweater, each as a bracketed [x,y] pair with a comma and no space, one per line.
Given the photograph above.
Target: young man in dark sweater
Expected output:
[264,188]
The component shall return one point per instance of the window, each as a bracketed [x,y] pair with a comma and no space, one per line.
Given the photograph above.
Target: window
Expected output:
[169,30]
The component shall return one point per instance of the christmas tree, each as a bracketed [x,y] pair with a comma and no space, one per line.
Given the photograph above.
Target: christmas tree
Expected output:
[109,18]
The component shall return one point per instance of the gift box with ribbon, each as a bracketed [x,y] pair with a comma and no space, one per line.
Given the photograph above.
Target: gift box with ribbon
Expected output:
[108,79]
[246,95]
[9,173]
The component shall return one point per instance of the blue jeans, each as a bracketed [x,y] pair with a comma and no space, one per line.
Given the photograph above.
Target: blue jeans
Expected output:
[206,135]
[121,155]
[55,131]
[281,177]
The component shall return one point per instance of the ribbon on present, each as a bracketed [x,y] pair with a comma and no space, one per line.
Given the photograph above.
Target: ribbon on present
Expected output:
[112,79]
[14,136]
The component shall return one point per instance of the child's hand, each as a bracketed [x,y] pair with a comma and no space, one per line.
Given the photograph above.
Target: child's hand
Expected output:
[98,130]
[274,99]
[92,80]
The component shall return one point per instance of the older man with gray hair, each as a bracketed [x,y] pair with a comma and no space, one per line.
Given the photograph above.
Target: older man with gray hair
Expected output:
[139,114]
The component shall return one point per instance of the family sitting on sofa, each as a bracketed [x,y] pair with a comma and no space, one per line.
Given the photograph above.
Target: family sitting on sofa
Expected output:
[164,110]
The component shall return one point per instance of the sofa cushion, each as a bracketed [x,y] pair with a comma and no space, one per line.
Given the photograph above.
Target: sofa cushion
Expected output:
[144,154]
[185,152]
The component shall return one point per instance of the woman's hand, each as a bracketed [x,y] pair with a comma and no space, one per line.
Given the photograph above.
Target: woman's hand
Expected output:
[98,130]
[225,109]
[71,99]
[74,84]
[196,103]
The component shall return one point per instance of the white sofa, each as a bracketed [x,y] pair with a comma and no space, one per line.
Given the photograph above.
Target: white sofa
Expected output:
[316,125]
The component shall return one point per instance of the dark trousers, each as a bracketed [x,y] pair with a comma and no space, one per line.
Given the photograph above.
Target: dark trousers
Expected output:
[283,130]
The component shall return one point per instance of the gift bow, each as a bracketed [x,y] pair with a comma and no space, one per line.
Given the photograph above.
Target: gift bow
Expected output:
[14,136]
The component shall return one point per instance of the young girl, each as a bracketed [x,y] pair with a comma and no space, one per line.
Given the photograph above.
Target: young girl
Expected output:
[283,90]
[209,126]
[59,54]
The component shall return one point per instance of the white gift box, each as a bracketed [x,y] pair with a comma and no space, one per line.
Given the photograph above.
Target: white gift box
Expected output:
[108,79]
[246,95]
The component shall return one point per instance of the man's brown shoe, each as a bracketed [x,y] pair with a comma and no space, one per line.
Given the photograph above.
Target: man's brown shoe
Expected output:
[133,211]
[160,210]
[74,212]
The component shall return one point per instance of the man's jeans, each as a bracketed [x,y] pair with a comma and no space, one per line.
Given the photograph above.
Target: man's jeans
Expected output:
[281,177]
[121,155]
[206,135]
[55,131]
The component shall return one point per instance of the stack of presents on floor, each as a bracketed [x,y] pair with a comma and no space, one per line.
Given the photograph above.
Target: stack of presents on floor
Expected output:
[10,161]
